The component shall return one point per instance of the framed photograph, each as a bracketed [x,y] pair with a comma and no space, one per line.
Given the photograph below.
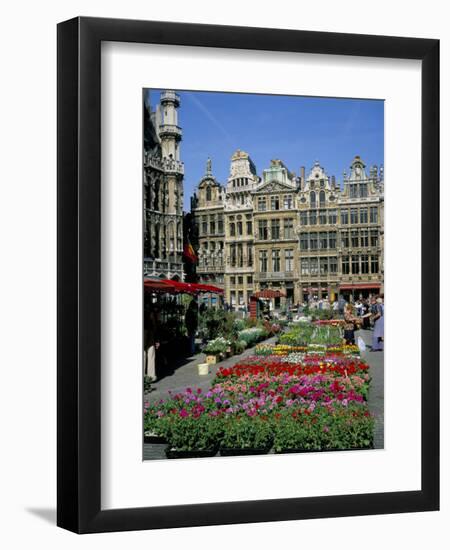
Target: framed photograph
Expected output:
[248,275]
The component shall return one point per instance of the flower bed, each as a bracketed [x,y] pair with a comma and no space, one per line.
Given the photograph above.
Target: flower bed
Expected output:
[282,398]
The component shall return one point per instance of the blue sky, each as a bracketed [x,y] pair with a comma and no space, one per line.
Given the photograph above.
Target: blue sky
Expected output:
[298,130]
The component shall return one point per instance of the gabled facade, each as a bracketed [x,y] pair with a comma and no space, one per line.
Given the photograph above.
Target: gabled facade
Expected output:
[305,235]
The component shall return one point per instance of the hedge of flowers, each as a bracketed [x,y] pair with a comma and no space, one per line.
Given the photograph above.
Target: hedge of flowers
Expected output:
[293,402]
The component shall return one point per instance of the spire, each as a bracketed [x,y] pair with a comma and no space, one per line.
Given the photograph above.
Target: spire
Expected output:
[209,167]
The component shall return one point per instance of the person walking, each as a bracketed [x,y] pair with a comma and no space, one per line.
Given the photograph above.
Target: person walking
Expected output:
[191,322]
[151,343]
[378,329]
[351,323]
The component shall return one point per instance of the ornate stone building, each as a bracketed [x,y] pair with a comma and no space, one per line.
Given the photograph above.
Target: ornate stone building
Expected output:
[163,189]
[209,235]
[302,235]
[275,219]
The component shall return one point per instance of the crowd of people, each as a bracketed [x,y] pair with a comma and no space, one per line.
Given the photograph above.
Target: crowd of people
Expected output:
[363,313]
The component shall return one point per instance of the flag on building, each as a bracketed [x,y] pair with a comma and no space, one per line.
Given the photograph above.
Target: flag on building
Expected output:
[189,252]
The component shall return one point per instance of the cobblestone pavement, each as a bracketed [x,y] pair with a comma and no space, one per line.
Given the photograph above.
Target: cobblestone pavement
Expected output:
[376,395]
[186,374]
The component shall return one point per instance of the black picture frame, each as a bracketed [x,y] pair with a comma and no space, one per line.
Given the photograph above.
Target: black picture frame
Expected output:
[79,281]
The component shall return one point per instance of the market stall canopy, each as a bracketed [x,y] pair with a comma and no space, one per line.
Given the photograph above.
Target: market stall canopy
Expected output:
[269,293]
[360,286]
[178,287]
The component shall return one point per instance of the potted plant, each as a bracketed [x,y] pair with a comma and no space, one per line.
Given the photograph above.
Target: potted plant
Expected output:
[245,435]
[192,437]
[215,348]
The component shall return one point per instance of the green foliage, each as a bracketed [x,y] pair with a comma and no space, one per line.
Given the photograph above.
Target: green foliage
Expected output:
[191,434]
[239,324]
[147,384]
[306,333]
[252,335]
[217,322]
[348,428]
[240,346]
[246,432]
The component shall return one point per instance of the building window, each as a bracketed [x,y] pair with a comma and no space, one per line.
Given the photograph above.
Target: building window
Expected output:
[241,297]
[322,199]
[322,217]
[304,241]
[374,264]
[204,226]
[355,265]
[208,193]
[355,238]
[240,255]
[249,228]
[240,280]
[313,265]
[220,224]
[364,264]
[289,260]
[363,190]
[212,226]
[353,215]
[374,238]
[249,255]
[353,190]
[249,279]
[312,199]
[364,238]
[233,255]
[263,261]
[239,229]
[344,239]
[276,261]
[345,265]
[323,265]
[288,228]
[261,204]
[333,264]
[288,202]
[313,241]
[323,240]
[233,298]
[373,214]
[274,203]
[304,266]
[232,230]
[363,215]
[344,217]
[303,218]
[332,217]
[313,217]
[332,239]
[275,229]
[233,280]
[262,230]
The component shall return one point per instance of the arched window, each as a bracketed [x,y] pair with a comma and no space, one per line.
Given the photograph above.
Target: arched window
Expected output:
[208,193]
[312,199]
[322,198]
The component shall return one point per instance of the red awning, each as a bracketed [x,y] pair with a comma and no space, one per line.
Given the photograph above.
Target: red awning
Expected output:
[178,287]
[158,285]
[360,286]
[269,293]
[207,288]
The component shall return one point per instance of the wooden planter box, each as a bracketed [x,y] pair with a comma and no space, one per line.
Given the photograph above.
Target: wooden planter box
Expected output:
[211,359]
